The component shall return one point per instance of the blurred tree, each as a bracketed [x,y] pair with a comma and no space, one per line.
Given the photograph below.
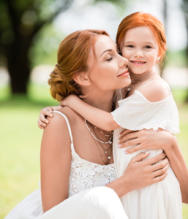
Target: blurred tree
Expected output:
[185,10]
[165,18]
[20,22]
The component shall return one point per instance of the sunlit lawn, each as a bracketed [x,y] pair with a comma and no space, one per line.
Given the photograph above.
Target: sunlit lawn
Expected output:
[20,143]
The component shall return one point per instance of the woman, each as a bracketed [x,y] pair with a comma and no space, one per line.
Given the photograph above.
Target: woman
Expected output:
[78,178]
[149,105]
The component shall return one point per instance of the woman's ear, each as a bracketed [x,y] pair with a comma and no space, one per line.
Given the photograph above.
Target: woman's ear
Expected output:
[81,78]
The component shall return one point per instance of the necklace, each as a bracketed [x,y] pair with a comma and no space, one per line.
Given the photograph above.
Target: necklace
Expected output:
[107,151]
[97,139]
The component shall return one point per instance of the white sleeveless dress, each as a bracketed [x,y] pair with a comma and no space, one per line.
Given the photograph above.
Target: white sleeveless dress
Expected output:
[89,198]
[161,200]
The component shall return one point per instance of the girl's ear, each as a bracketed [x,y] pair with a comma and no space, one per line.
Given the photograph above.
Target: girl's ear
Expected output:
[81,78]
[158,59]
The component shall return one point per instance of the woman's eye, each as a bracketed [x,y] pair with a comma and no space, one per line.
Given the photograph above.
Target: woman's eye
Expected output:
[109,59]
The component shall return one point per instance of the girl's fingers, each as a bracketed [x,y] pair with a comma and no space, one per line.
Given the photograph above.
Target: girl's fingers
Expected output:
[41,125]
[126,137]
[139,157]
[129,143]
[43,119]
[126,131]
[48,112]
[137,147]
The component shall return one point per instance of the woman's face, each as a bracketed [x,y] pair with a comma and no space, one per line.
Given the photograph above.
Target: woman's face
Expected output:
[141,49]
[107,69]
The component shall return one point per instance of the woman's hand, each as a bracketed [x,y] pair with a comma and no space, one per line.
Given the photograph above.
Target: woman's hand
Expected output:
[45,114]
[145,139]
[143,172]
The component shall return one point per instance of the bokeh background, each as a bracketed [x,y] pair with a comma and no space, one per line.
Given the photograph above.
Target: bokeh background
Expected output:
[30,32]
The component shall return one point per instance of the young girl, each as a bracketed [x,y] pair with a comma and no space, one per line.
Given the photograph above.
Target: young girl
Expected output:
[148,104]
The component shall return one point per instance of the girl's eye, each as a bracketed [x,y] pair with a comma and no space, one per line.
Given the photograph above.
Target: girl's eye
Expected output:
[129,46]
[148,47]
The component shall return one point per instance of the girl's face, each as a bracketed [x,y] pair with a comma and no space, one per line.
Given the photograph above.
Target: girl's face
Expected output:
[141,49]
[107,69]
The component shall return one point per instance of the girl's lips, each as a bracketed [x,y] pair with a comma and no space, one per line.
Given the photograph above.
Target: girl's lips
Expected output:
[123,74]
[137,62]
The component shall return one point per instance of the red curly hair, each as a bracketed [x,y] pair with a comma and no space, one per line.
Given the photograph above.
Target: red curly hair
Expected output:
[72,58]
[142,19]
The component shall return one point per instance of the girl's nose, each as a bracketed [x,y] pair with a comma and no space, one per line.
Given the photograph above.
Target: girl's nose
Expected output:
[138,53]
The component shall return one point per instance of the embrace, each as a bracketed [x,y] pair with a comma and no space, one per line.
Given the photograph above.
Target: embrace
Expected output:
[108,150]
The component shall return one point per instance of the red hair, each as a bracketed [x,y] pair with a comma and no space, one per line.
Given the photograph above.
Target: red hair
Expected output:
[72,58]
[142,19]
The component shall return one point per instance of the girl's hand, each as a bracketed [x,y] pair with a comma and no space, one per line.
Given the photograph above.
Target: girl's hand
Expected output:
[44,116]
[145,139]
[142,172]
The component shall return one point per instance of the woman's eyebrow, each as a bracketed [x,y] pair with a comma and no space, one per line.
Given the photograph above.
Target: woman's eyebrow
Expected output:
[107,50]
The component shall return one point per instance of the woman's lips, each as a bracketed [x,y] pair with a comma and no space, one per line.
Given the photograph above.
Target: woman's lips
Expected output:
[124,74]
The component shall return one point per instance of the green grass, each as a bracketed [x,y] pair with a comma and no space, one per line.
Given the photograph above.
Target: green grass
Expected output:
[20,143]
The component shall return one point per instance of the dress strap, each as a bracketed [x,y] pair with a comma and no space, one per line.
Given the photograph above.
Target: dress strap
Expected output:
[68,126]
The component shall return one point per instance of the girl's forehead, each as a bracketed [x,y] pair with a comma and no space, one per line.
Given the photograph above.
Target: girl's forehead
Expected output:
[140,34]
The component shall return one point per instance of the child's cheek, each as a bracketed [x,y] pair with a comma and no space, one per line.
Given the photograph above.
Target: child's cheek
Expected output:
[126,54]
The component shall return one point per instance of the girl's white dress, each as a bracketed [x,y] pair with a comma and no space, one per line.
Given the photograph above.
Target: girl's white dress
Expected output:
[88,197]
[161,200]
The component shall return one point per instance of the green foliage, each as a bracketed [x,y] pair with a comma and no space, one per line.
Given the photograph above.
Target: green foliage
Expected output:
[45,45]
[176,58]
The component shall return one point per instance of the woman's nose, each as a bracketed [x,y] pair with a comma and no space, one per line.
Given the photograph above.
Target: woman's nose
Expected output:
[123,61]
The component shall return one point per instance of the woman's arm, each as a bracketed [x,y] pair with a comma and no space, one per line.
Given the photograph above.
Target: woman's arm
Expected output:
[55,163]
[179,167]
[97,117]
[149,139]
[146,172]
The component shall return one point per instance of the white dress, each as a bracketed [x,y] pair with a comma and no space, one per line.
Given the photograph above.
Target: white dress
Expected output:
[88,197]
[161,200]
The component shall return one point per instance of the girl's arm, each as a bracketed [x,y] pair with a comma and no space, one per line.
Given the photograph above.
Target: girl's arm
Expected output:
[97,117]
[55,163]
[152,140]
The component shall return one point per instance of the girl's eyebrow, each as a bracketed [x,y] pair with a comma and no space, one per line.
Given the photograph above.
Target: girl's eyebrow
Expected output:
[129,42]
[147,42]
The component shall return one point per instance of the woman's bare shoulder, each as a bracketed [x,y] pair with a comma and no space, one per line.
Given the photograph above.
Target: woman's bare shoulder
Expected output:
[70,114]
[56,137]
[57,127]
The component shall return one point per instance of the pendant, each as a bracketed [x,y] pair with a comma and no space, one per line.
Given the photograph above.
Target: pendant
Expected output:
[109,157]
